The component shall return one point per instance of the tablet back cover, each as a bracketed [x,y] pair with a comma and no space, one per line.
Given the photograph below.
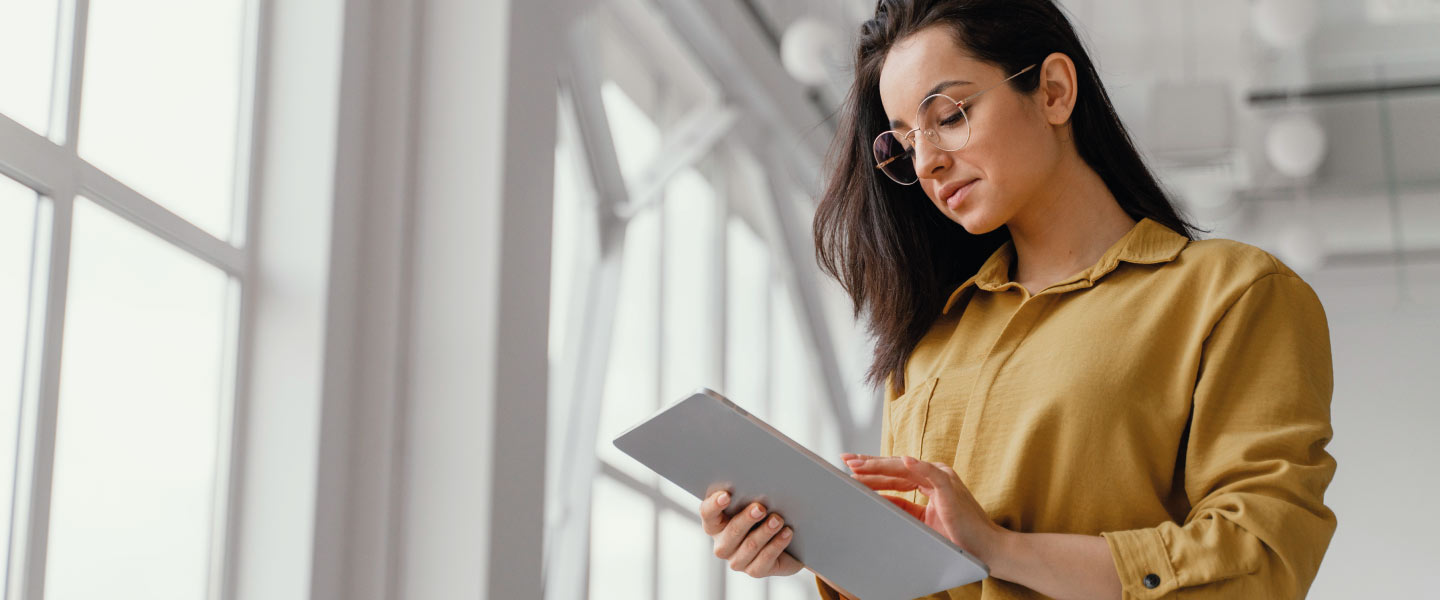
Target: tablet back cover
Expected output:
[842,529]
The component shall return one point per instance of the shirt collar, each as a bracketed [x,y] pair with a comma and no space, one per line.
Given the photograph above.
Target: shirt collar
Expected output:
[1147,242]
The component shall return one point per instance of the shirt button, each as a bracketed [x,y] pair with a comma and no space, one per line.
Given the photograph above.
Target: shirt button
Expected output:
[1151,581]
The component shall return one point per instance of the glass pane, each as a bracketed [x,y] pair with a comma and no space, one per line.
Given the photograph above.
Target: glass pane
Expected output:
[631,379]
[622,543]
[748,318]
[692,342]
[793,411]
[139,418]
[685,554]
[637,138]
[161,101]
[739,586]
[800,408]
[17,242]
[27,60]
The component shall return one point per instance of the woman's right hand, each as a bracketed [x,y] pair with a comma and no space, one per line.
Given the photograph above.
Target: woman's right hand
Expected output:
[752,542]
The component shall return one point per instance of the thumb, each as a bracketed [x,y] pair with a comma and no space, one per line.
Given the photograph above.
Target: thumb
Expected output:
[915,510]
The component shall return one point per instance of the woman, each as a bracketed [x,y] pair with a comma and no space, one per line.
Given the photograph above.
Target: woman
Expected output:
[1077,392]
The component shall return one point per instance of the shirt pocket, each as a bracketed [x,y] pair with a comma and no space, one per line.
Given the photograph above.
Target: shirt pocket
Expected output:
[908,414]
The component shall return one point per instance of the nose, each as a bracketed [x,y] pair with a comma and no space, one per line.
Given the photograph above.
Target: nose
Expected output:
[929,160]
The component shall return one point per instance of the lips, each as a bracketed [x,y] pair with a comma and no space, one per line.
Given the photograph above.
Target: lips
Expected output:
[954,192]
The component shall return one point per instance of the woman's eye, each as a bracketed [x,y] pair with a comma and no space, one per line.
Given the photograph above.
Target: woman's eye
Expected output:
[951,120]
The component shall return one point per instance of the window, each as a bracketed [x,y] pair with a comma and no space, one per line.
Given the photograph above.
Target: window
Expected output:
[141,394]
[698,300]
[124,154]
[161,102]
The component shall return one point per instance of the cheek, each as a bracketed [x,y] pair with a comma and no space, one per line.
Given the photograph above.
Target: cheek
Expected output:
[1013,161]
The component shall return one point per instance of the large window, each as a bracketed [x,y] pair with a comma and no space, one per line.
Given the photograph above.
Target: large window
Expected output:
[691,291]
[124,154]
[699,304]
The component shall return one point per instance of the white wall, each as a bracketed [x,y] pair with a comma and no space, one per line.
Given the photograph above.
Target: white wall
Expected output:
[1385,411]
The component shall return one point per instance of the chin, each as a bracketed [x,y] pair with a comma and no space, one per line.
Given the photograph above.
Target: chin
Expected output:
[975,222]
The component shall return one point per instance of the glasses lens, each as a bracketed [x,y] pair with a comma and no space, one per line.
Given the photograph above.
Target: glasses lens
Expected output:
[892,154]
[944,122]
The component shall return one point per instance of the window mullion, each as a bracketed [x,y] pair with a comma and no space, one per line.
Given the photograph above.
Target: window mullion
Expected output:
[149,215]
[63,187]
[225,549]
[32,511]
[33,160]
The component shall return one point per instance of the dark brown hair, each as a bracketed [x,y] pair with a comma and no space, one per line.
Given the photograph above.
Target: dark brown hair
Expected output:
[896,255]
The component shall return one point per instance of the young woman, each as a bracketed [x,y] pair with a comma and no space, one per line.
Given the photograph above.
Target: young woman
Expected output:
[1077,392]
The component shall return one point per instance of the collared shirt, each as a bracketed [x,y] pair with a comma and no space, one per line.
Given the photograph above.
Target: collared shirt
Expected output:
[1174,397]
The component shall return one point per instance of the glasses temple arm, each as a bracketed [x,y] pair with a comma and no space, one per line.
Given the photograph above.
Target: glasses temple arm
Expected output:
[977,94]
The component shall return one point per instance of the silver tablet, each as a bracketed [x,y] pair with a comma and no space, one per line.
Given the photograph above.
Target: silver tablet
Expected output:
[843,530]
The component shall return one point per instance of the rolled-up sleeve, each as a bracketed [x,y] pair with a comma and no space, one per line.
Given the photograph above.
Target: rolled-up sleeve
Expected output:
[1255,466]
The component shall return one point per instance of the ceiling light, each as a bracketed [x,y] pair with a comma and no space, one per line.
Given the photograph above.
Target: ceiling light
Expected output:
[1285,23]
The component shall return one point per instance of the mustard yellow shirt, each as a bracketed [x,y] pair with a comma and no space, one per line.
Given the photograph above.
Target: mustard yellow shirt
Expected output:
[1174,397]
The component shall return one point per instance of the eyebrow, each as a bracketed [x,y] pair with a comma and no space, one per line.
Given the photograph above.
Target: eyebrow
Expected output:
[949,83]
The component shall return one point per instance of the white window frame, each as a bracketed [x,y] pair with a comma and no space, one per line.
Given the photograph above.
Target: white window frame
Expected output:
[51,166]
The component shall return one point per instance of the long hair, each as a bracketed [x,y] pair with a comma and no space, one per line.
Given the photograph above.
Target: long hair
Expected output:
[898,257]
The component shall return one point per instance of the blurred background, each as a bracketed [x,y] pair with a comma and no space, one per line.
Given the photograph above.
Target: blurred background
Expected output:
[347,298]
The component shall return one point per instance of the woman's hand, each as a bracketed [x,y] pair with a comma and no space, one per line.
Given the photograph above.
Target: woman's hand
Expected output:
[752,541]
[952,510]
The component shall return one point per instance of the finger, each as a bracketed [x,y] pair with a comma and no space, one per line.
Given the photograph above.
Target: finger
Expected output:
[943,480]
[757,539]
[946,493]
[712,512]
[735,531]
[886,482]
[849,457]
[766,562]
[914,509]
[893,466]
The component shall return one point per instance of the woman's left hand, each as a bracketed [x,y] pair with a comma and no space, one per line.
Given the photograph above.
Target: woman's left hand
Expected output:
[951,509]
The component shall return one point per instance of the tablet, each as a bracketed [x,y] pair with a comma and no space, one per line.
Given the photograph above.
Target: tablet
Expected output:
[842,529]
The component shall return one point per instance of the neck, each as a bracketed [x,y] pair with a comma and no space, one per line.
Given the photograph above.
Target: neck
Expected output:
[1067,228]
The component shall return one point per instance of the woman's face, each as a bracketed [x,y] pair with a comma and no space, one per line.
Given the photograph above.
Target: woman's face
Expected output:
[1012,147]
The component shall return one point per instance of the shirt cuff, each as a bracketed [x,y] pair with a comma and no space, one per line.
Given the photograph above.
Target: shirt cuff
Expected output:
[1142,563]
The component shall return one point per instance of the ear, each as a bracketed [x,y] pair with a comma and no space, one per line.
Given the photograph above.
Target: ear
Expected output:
[1057,90]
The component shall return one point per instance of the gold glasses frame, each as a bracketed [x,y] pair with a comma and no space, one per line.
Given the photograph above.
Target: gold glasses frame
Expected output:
[929,133]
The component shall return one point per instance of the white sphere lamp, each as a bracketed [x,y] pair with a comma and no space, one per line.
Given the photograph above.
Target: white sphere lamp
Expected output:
[1286,23]
[807,50]
[1295,145]
[1301,247]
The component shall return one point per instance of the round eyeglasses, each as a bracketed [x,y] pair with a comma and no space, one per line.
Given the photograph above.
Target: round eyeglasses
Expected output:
[941,120]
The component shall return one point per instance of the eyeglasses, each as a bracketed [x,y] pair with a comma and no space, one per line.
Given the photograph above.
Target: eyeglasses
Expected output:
[943,122]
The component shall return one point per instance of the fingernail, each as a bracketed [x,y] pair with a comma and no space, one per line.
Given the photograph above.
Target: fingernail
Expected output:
[723,499]
[774,523]
[756,512]
[785,535]
[854,462]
